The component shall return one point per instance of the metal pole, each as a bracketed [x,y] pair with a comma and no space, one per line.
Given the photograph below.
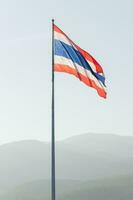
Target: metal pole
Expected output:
[53,124]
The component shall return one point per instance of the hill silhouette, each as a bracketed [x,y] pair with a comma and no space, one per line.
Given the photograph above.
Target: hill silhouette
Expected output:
[80,159]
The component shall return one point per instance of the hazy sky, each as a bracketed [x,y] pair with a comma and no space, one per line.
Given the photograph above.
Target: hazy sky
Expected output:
[103,28]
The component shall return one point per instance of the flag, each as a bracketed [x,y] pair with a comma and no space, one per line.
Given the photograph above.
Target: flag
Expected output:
[71,59]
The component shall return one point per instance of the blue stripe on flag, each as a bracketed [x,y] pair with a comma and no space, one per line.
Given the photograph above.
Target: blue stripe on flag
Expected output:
[67,51]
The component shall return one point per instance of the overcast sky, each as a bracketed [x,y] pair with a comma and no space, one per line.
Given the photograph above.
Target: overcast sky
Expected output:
[103,28]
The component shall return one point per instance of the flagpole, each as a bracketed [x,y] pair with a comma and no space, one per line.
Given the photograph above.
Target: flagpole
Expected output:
[53,124]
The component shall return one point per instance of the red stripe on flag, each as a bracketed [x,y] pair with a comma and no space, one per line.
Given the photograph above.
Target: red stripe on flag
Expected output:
[58,30]
[86,80]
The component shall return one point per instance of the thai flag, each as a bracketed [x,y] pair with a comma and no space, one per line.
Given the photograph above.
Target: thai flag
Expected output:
[70,58]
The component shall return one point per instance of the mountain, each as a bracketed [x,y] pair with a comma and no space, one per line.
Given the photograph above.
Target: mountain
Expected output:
[92,156]
[83,158]
[115,188]
[23,161]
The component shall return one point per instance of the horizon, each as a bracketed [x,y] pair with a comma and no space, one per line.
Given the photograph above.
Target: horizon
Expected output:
[66,138]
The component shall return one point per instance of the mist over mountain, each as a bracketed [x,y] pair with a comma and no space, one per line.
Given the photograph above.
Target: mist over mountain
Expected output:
[87,159]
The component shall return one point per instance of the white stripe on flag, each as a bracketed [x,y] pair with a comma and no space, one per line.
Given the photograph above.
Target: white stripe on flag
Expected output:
[65,61]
